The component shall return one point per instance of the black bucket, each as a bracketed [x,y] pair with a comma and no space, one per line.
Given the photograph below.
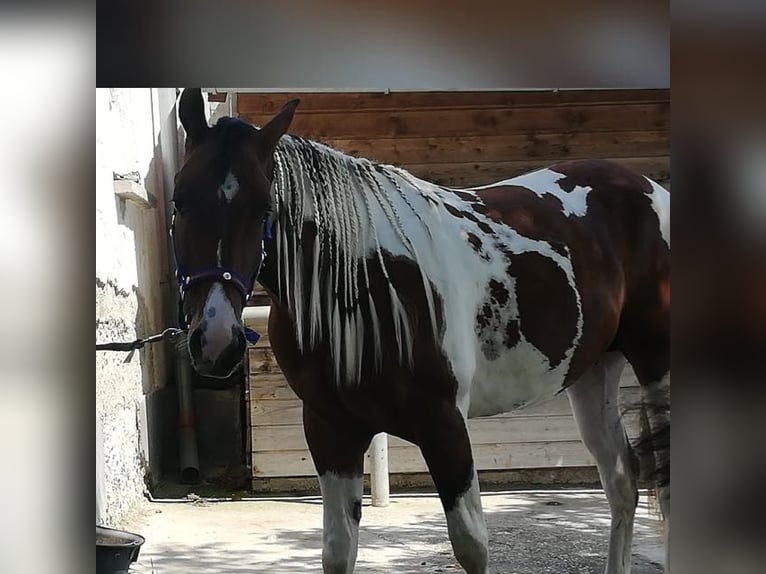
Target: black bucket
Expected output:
[116,550]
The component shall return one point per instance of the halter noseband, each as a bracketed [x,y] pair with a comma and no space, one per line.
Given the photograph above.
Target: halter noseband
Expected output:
[187,279]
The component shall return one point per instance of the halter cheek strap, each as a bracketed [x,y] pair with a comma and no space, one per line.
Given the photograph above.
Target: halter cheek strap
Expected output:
[244,286]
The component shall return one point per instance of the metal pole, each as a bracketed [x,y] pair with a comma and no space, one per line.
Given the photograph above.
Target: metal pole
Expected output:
[379,469]
[187,434]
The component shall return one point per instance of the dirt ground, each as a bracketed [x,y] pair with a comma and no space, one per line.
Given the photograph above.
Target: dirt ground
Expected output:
[530,532]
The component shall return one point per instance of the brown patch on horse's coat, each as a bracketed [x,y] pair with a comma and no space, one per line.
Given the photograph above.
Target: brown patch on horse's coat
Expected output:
[534,217]
[495,215]
[498,291]
[470,216]
[599,174]
[547,305]
[665,293]
[559,248]
[511,336]
[483,316]
[446,448]
[477,245]
[465,214]
[617,283]
[453,210]
[464,195]
[485,227]
[491,325]
[475,242]
[479,207]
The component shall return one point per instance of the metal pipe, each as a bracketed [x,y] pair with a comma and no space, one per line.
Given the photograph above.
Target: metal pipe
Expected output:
[379,488]
[187,435]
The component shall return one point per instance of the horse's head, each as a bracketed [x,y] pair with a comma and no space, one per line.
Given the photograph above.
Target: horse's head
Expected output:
[221,201]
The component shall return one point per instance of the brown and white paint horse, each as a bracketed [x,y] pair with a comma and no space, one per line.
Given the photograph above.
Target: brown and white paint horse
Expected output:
[405,307]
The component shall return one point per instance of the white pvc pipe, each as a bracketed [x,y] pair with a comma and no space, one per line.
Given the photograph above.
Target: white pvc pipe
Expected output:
[256,318]
[379,489]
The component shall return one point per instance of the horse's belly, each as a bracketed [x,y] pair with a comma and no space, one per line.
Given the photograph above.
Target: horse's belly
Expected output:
[513,379]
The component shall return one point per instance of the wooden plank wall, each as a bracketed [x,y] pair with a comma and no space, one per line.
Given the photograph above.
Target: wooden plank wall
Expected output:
[460,139]
[474,138]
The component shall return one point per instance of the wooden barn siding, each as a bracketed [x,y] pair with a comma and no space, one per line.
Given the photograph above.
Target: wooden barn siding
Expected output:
[540,436]
[460,139]
[474,138]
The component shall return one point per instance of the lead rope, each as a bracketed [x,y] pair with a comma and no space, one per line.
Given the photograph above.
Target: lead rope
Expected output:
[132,346]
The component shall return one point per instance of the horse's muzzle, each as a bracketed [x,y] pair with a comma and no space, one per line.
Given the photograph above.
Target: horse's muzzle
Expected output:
[222,365]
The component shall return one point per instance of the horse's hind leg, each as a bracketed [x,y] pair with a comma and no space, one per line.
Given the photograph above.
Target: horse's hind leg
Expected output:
[648,353]
[443,440]
[338,453]
[594,400]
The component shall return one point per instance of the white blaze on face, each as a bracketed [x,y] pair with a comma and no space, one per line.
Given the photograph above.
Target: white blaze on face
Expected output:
[229,188]
[218,323]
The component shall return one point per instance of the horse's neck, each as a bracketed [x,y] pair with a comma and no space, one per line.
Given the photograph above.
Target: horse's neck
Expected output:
[323,277]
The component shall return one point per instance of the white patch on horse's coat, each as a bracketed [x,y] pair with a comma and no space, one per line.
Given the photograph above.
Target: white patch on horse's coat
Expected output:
[468,530]
[229,188]
[528,369]
[387,210]
[546,181]
[340,532]
[218,325]
[660,200]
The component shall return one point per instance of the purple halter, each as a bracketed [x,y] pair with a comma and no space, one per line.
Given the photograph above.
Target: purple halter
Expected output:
[187,279]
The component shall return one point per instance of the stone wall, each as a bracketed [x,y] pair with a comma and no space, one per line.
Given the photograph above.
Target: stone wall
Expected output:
[118,403]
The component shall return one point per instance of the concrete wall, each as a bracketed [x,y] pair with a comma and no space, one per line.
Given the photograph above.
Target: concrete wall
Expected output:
[131,290]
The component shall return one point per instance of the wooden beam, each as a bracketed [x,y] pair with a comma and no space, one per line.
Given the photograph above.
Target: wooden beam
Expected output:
[627,116]
[250,103]
[515,147]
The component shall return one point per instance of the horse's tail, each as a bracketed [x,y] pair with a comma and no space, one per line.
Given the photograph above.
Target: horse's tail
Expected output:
[653,444]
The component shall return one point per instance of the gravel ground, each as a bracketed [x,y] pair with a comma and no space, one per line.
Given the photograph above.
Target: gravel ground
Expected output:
[530,532]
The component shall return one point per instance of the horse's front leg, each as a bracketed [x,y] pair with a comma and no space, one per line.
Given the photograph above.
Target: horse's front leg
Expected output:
[444,442]
[338,452]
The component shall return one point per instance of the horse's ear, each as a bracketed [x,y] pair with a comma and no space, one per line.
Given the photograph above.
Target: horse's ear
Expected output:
[269,135]
[191,110]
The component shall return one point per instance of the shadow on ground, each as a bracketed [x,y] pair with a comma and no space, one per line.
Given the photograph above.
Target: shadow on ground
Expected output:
[539,533]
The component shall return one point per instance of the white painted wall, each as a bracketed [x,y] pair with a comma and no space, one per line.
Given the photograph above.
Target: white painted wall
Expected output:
[131,269]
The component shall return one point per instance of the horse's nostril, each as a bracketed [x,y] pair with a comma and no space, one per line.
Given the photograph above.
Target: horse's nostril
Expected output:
[195,343]
[232,355]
